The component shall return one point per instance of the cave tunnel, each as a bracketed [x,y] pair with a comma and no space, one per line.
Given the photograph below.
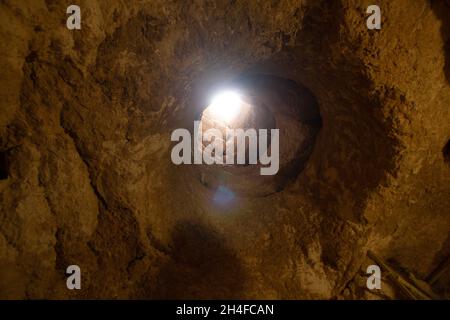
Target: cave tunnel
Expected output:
[355,123]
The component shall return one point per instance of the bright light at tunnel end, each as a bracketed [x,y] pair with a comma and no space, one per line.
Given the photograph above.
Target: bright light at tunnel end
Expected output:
[225,106]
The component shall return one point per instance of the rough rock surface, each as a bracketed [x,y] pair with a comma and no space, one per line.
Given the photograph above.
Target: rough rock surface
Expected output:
[85,127]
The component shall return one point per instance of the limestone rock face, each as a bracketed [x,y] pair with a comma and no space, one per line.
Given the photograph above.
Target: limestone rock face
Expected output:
[87,179]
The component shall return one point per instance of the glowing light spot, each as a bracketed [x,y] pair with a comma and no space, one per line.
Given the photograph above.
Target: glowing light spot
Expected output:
[223,195]
[226,106]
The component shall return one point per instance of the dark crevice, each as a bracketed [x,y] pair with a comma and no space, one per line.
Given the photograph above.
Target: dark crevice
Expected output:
[441,9]
[4,166]
[446,153]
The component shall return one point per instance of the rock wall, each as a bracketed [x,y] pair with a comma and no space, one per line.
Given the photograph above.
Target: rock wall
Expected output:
[85,124]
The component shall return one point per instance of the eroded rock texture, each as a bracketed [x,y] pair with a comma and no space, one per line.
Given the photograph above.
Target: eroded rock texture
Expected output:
[86,117]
